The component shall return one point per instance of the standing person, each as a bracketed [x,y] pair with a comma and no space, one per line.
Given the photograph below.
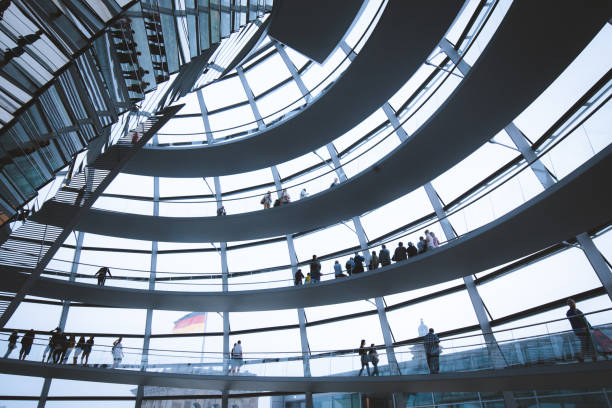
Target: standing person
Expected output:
[373,356]
[373,261]
[338,270]
[412,250]
[101,275]
[48,350]
[221,211]
[284,198]
[349,266]
[582,330]
[87,350]
[358,260]
[384,256]
[303,193]
[363,355]
[238,355]
[298,277]
[117,352]
[12,343]
[267,200]
[435,241]
[431,342]
[80,346]
[334,183]
[422,245]
[70,344]
[232,365]
[315,270]
[26,344]
[308,279]
[400,253]
[58,345]
[429,240]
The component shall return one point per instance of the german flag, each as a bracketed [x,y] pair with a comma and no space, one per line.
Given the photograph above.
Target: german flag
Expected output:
[190,323]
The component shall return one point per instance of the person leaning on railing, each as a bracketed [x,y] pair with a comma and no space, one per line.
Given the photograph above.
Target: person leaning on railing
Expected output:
[582,330]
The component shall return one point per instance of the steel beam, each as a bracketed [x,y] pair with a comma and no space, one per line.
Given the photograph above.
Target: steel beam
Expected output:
[251,97]
[495,354]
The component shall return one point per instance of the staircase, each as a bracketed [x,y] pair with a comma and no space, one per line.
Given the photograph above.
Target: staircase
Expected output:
[112,58]
[32,246]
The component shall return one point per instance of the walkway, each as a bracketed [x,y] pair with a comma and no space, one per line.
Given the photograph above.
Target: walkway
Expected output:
[570,376]
[545,220]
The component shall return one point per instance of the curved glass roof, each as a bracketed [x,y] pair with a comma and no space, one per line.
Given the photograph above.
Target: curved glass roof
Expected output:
[524,300]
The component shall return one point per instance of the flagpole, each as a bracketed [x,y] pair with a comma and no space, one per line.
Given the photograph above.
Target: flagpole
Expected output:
[204,337]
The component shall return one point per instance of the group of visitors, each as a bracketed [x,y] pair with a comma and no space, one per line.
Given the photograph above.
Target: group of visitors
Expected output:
[284,198]
[26,343]
[61,347]
[356,263]
[314,276]
[368,355]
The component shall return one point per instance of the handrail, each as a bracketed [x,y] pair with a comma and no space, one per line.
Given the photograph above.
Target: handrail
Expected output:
[340,352]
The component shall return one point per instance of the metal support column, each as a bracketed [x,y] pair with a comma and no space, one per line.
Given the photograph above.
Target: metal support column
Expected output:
[595,258]
[300,311]
[399,130]
[251,97]
[450,51]
[523,146]
[398,399]
[223,253]
[497,358]
[294,71]
[144,361]
[348,50]
[76,258]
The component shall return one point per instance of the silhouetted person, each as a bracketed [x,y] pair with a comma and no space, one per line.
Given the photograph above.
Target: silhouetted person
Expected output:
[87,350]
[582,330]
[298,277]
[363,355]
[349,266]
[373,357]
[80,346]
[358,259]
[384,256]
[12,343]
[48,350]
[303,193]
[431,342]
[412,250]
[315,270]
[70,344]
[334,183]
[373,261]
[58,345]
[400,253]
[221,211]
[26,344]
[101,275]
